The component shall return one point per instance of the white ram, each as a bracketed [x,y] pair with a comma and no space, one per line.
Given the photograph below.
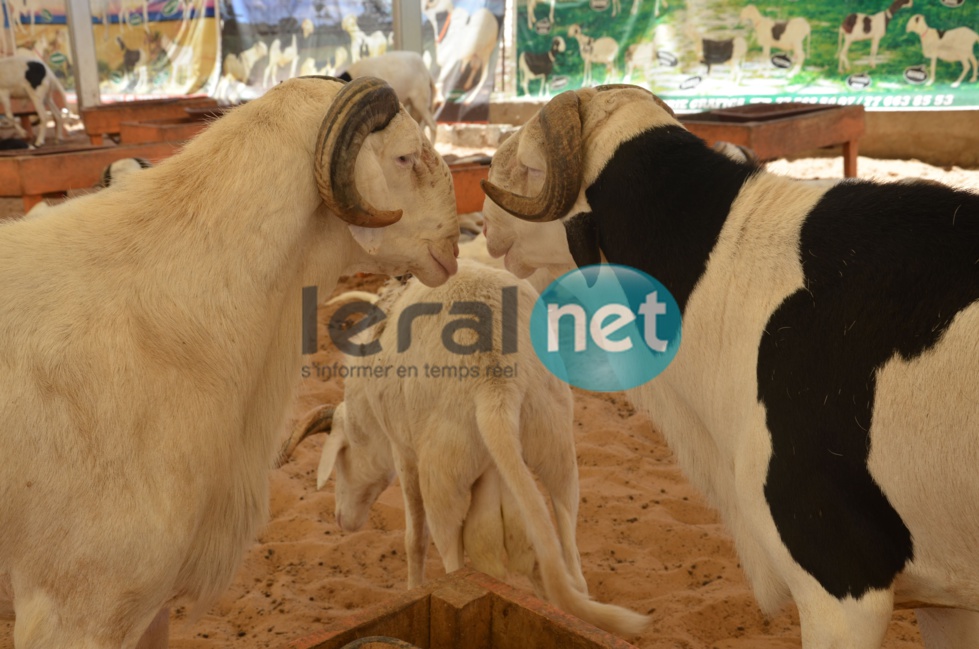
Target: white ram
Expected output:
[151,343]
[363,45]
[824,397]
[595,50]
[280,57]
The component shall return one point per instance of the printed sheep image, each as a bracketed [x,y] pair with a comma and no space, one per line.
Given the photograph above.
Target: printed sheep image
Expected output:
[953,45]
[780,34]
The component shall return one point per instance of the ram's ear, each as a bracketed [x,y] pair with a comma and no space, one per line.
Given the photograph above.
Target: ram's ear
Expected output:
[582,232]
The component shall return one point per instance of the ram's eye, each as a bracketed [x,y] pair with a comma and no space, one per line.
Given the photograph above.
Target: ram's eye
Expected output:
[405,160]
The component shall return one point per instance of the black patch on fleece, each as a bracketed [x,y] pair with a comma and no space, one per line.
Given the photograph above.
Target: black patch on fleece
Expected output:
[778,28]
[887,268]
[660,203]
[582,232]
[35,73]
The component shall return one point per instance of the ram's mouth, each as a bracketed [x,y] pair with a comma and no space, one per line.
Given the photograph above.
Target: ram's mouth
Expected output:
[447,262]
[496,252]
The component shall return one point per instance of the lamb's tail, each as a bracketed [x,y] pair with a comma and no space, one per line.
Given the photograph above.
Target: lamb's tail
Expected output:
[498,419]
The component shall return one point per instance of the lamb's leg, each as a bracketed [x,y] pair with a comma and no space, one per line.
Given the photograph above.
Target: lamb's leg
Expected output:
[416,530]
[59,123]
[8,113]
[965,71]
[446,497]
[844,62]
[483,531]
[874,43]
[42,127]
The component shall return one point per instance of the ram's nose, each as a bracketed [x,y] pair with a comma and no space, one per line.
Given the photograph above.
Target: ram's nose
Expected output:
[455,249]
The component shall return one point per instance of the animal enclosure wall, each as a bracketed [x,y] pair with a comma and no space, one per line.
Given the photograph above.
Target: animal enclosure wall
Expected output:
[708,54]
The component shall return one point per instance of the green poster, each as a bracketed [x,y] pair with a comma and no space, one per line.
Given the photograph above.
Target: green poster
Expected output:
[706,54]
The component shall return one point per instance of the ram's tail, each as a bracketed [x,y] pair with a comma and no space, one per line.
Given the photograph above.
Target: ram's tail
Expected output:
[498,419]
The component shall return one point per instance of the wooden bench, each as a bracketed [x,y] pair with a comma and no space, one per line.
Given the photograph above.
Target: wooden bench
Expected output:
[779,130]
[55,170]
[107,119]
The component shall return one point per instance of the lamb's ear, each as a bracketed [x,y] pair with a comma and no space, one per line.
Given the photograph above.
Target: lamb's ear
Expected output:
[582,232]
[335,443]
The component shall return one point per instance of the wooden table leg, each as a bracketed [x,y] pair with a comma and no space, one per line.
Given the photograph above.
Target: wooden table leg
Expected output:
[30,200]
[850,159]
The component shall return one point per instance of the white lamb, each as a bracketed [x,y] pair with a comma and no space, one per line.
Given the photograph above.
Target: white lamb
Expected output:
[481,401]
[150,344]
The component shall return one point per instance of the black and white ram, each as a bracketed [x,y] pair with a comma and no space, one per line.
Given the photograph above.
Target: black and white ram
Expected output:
[538,65]
[955,45]
[30,78]
[825,397]
[862,27]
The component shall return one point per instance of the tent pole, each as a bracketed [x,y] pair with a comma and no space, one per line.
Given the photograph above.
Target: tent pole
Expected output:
[83,51]
[407,25]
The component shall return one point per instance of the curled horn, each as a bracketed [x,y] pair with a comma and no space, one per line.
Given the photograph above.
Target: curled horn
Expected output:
[318,420]
[560,122]
[361,107]
[625,86]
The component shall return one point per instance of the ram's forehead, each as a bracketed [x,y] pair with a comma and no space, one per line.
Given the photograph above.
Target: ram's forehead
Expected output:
[609,117]
[612,117]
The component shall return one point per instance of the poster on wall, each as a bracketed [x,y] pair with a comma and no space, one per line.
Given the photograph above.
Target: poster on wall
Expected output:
[463,39]
[266,42]
[142,47]
[706,54]
[154,47]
